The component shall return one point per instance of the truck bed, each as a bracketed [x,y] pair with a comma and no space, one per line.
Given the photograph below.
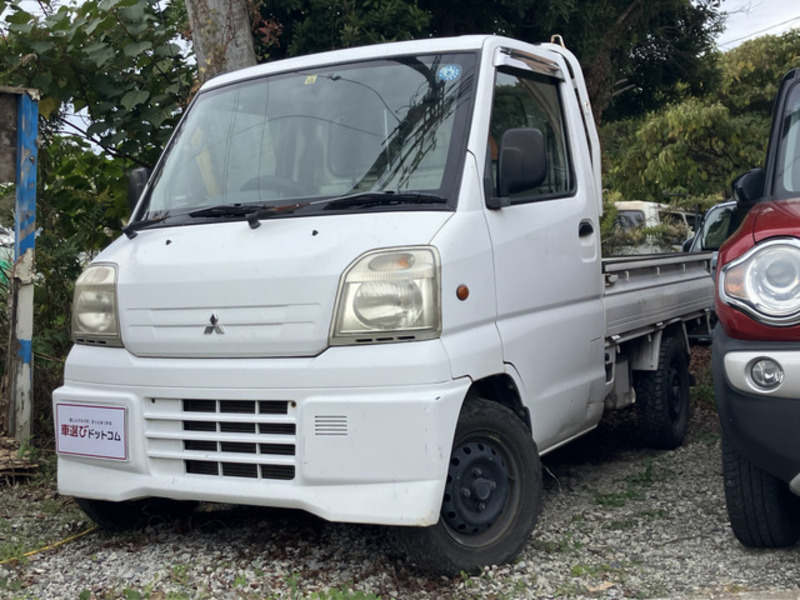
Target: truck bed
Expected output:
[645,292]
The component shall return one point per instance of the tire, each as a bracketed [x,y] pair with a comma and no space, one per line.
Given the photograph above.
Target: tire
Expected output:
[492,499]
[662,396]
[763,511]
[134,514]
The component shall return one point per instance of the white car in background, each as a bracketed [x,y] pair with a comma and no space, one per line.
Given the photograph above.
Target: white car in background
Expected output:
[638,213]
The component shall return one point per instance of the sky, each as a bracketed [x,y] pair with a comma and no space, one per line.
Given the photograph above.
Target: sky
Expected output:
[748,19]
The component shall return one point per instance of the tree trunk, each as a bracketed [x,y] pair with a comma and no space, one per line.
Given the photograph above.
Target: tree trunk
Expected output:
[598,69]
[221,36]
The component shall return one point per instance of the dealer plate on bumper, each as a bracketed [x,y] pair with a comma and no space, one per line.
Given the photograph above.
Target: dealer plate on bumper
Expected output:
[91,430]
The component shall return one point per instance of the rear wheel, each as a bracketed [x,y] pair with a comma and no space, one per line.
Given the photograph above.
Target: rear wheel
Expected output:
[134,514]
[763,511]
[662,396]
[492,497]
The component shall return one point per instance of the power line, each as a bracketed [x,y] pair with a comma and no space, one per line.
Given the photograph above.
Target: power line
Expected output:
[755,33]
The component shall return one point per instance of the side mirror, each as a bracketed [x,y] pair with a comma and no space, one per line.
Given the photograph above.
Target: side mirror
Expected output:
[522,161]
[137,180]
[687,245]
[749,187]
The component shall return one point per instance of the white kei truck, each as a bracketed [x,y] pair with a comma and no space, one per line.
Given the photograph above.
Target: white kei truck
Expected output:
[368,284]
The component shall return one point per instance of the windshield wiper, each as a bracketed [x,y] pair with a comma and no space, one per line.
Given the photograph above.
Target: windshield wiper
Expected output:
[131,228]
[225,210]
[387,198]
[253,212]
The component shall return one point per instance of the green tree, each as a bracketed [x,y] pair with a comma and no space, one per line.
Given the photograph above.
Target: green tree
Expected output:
[296,27]
[634,52]
[116,61]
[693,149]
[751,73]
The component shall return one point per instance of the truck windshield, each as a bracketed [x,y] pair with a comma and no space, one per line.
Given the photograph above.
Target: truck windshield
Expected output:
[394,127]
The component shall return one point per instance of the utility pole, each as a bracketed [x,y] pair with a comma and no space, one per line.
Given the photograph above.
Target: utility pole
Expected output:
[19,115]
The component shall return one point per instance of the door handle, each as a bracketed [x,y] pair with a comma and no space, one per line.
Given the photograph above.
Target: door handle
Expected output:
[585,229]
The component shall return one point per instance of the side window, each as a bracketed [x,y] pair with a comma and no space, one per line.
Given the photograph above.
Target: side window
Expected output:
[529,100]
[629,219]
[716,228]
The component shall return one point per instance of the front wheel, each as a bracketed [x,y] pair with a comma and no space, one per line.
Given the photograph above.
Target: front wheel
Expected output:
[762,510]
[662,396]
[492,496]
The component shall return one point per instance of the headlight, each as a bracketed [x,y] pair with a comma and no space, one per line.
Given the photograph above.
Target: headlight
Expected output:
[94,308]
[389,296]
[765,282]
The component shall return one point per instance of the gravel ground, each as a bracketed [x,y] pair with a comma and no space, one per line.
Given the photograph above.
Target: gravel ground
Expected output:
[619,521]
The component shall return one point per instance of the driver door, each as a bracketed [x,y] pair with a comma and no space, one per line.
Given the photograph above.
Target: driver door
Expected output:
[547,265]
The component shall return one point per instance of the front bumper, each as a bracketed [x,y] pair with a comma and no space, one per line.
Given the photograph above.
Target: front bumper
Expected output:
[358,434]
[762,426]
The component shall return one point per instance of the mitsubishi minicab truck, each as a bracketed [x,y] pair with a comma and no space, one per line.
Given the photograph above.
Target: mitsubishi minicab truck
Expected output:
[368,284]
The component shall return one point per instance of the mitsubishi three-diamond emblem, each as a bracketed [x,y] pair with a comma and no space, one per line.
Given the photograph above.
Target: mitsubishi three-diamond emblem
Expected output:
[215,327]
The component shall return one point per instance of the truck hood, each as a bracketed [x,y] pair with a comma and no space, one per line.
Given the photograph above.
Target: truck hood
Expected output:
[226,290]
[774,219]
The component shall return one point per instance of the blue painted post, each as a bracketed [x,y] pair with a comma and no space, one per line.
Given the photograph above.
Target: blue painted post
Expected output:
[23,272]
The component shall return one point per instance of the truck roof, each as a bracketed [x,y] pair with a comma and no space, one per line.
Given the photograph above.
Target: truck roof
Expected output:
[452,44]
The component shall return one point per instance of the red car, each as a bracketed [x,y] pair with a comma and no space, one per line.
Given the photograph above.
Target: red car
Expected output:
[756,347]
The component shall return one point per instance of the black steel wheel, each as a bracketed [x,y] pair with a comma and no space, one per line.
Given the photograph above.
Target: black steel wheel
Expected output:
[662,396]
[762,510]
[492,497]
[134,514]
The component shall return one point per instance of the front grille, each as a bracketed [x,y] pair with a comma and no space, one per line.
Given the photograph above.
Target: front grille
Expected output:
[252,439]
